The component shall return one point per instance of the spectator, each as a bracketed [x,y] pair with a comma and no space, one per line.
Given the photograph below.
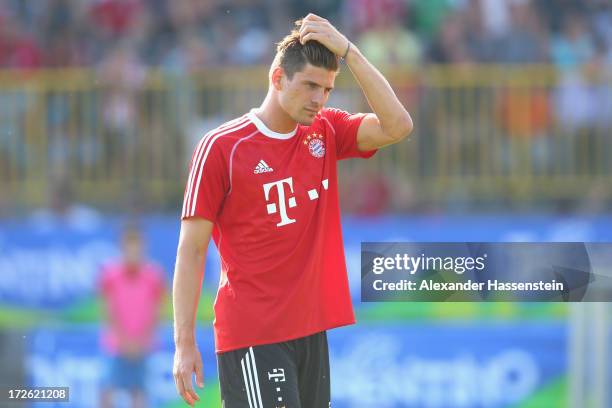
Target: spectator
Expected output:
[602,23]
[515,31]
[17,48]
[571,50]
[115,17]
[574,46]
[524,42]
[122,75]
[188,55]
[479,42]
[428,16]
[64,50]
[449,46]
[601,72]
[365,15]
[252,46]
[389,43]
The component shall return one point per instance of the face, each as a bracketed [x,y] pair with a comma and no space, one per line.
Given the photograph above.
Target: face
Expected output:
[306,93]
[132,249]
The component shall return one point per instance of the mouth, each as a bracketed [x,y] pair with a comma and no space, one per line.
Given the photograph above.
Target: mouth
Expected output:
[311,111]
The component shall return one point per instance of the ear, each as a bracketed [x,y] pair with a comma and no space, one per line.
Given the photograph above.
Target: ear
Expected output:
[277,78]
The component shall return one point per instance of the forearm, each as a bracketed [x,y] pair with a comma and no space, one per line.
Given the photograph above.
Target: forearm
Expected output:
[188,275]
[394,118]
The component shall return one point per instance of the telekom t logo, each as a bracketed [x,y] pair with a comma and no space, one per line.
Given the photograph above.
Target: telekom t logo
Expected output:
[272,208]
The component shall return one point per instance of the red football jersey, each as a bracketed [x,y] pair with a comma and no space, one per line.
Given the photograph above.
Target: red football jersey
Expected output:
[273,199]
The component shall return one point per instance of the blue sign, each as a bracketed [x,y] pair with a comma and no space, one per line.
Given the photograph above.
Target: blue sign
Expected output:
[55,267]
[453,365]
[459,365]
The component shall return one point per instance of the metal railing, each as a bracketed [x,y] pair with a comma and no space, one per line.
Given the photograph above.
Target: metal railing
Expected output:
[484,136]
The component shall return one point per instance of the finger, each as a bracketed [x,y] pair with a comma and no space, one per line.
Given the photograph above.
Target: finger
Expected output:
[319,30]
[199,369]
[304,29]
[312,16]
[304,32]
[309,29]
[181,389]
[187,383]
[310,36]
[312,25]
[315,22]
[185,388]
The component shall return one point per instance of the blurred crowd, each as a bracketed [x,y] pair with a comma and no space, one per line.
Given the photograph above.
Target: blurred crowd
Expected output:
[191,34]
[123,39]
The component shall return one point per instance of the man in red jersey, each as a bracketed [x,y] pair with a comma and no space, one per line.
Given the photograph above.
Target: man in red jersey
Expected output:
[264,186]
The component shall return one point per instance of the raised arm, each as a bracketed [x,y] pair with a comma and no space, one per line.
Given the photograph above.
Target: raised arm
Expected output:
[390,122]
[188,274]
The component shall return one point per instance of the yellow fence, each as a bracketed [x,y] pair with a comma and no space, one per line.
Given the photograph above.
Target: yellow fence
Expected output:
[484,136]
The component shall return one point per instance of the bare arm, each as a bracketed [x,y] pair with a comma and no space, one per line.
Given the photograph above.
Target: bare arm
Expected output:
[188,275]
[390,122]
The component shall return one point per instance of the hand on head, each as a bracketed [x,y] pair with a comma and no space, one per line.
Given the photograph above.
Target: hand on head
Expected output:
[319,29]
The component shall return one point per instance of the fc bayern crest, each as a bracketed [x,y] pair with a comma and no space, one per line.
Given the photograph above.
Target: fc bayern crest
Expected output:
[316,145]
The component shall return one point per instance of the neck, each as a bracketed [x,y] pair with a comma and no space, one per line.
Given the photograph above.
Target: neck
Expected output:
[274,116]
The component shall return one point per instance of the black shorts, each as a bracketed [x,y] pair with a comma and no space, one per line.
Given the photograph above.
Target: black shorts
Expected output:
[291,374]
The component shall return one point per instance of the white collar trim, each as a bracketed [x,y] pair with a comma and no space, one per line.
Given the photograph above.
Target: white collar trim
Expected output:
[266,131]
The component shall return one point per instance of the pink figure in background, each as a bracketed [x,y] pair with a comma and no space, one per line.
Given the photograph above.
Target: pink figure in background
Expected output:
[133,290]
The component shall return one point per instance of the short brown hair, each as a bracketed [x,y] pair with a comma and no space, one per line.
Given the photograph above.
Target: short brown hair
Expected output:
[292,56]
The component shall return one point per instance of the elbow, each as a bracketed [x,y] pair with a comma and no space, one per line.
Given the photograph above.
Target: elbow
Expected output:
[403,128]
[408,126]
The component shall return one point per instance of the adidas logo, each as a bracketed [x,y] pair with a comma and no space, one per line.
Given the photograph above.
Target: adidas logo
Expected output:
[262,167]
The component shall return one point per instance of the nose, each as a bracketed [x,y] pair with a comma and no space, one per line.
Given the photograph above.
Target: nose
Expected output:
[318,98]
